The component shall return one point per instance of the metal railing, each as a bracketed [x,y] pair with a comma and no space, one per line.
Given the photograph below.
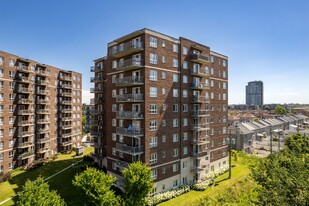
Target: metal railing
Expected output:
[130,98]
[129,149]
[131,80]
[128,46]
[130,114]
[131,132]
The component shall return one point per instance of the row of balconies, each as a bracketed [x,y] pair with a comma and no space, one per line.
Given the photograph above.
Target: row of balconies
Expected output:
[132,150]
[97,79]
[199,127]
[98,100]
[199,167]
[130,98]
[65,78]
[130,131]
[199,86]
[96,68]
[199,113]
[127,48]
[26,155]
[96,90]
[68,86]
[130,115]
[130,81]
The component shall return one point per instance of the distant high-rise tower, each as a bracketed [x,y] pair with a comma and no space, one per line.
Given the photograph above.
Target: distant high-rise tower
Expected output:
[254,93]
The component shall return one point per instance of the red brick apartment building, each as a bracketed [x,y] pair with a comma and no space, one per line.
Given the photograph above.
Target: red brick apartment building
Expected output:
[162,101]
[40,111]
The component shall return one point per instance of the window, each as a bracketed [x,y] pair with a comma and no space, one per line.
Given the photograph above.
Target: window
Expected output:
[153,42]
[212,95]
[185,65]
[184,50]
[184,93]
[175,77]
[185,150]
[185,136]
[212,59]
[185,79]
[114,107]
[153,109]
[153,125]
[153,158]
[175,122]
[163,138]
[224,63]
[11,85]
[1,132]
[175,152]
[175,48]
[11,143]
[224,96]
[114,165]
[185,122]
[163,59]
[114,78]
[163,43]
[114,122]
[153,91]
[184,108]
[163,154]
[212,71]
[114,137]
[114,66]
[175,169]
[11,166]
[1,145]
[175,107]
[175,137]
[153,75]
[212,83]
[163,91]
[11,62]
[175,63]
[153,59]
[11,107]
[175,92]
[224,130]
[1,60]
[224,85]
[163,122]
[11,74]
[154,174]
[163,75]
[212,156]
[11,154]
[11,120]
[114,151]
[163,172]
[153,142]
[224,74]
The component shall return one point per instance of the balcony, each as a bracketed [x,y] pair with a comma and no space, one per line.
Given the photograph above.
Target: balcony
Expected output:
[97,68]
[25,69]
[25,101]
[43,82]
[199,113]
[25,155]
[42,92]
[96,79]
[199,167]
[25,123]
[65,78]
[66,118]
[25,133]
[43,121]
[200,99]
[67,102]
[25,80]
[128,48]
[25,111]
[130,132]
[42,111]
[199,72]
[130,115]
[199,127]
[130,98]
[200,140]
[67,86]
[43,140]
[66,143]
[130,81]
[199,58]
[66,94]
[43,101]
[66,135]
[43,150]
[200,152]
[122,164]
[96,90]
[98,112]
[43,130]
[99,100]
[199,86]
[129,149]
[24,144]
[67,126]
[42,73]
[25,90]
[130,64]
[69,110]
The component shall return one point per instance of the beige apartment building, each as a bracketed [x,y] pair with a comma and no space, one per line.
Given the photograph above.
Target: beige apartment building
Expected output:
[163,101]
[40,111]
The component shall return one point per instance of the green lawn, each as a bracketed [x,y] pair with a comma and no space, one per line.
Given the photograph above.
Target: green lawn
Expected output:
[239,172]
[61,182]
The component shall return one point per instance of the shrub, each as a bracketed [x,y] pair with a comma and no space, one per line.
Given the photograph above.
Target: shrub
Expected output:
[5,176]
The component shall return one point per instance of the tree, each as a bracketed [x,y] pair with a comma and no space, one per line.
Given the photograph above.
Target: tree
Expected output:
[284,177]
[37,193]
[83,124]
[280,110]
[96,186]
[138,183]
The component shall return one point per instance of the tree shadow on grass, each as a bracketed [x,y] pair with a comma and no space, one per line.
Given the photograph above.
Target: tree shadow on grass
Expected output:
[217,182]
[62,182]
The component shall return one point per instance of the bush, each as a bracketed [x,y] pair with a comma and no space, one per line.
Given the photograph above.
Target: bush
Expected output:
[5,176]
[87,158]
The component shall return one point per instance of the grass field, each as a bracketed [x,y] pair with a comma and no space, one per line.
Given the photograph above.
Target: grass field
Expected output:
[240,171]
[62,182]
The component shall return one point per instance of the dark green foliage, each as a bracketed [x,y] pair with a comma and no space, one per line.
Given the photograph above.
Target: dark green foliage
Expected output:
[284,177]
[37,193]
[138,183]
[280,110]
[5,176]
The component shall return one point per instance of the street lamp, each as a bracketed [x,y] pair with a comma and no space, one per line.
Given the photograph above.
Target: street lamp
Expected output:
[231,140]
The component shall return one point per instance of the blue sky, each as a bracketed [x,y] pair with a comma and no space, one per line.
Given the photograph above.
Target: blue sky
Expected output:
[264,40]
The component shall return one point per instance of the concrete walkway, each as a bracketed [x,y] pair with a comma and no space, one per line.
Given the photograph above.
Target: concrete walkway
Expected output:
[72,165]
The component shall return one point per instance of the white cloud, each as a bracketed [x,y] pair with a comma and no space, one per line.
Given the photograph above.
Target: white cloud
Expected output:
[87,96]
